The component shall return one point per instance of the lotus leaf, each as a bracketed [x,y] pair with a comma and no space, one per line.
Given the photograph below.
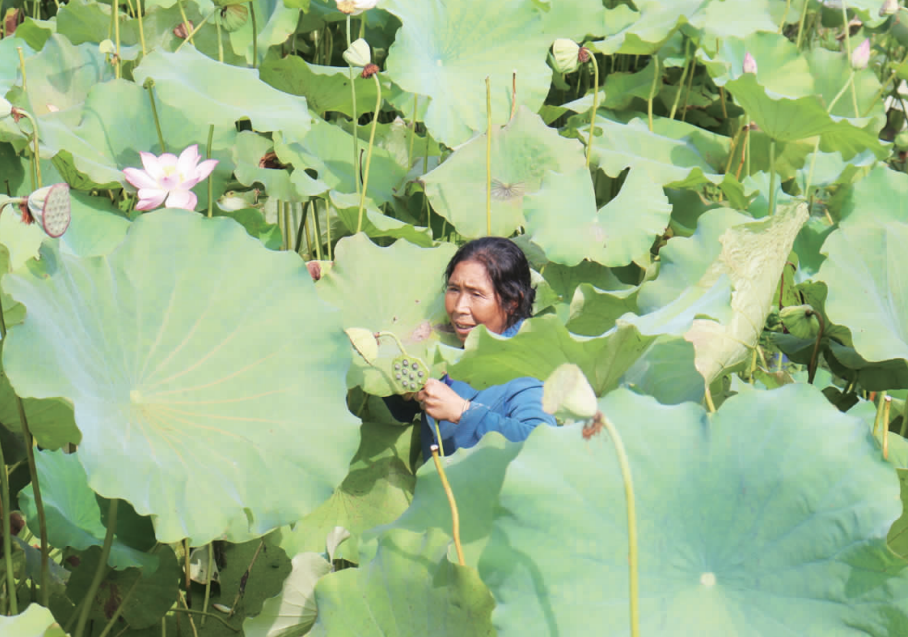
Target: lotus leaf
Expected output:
[275,21]
[248,155]
[34,621]
[644,33]
[881,197]
[376,224]
[293,611]
[408,589]
[619,232]
[594,311]
[522,152]
[73,514]
[740,546]
[172,386]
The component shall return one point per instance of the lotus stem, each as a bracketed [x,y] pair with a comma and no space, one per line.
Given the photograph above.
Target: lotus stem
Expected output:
[362,195]
[854,94]
[149,86]
[318,235]
[885,84]
[904,428]
[302,227]
[455,517]
[356,171]
[188,576]
[812,366]
[633,570]
[328,229]
[690,83]
[7,534]
[722,101]
[683,79]
[816,146]
[879,413]
[122,605]
[707,395]
[244,579]
[412,133]
[589,144]
[513,95]
[39,503]
[189,611]
[217,23]
[116,18]
[184,598]
[287,223]
[36,160]
[652,92]
[887,404]
[101,571]
[208,583]
[189,32]
[141,26]
[255,36]
[488,157]
[801,24]
[772,176]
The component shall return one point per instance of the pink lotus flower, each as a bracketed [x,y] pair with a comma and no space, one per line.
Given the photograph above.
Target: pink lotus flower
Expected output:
[861,55]
[750,64]
[169,178]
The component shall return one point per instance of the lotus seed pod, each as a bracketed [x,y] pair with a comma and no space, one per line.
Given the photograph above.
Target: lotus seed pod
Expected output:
[405,362]
[565,54]
[750,64]
[415,365]
[50,207]
[397,376]
[359,54]
[420,374]
[800,320]
[397,366]
[233,16]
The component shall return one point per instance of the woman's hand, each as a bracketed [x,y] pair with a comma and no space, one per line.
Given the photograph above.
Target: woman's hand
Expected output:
[441,402]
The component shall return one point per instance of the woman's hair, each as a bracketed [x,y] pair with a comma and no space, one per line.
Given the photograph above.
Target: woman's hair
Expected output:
[508,269]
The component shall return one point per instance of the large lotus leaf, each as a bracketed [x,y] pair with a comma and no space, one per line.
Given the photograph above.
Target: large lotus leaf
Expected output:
[248,154]
[446,49]
[117,123]
[378,488]
[172,385]
[542,344]
[522,152]
[830,70]
[782,118]
[753,256]
[208,92]
[361,285]
[9,61]
[328,150]
[34,621]
[96,227]
[593,311]
[275,21]
[670,162]
[666,371]
[868,287]
[881,197]
[293,611]
[570,229]
[73,514]
[737,535]
[326,88]
[409,589]
[735,18]
[644,33]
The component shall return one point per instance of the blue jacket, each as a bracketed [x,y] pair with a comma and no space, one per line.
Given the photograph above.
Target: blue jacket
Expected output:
[513,409]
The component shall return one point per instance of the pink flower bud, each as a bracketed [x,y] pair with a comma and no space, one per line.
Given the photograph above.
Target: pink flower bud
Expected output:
[750,64]
[861,55]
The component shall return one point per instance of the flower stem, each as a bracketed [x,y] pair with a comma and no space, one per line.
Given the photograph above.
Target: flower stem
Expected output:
[652,93]
[4,502]
[356,171]
[189,32]
[854,94]
[772,176]
[101,571]
[149,86]
[217,23]
[785,15]
[362,195]
[488,157]
[801,24]
[412,133]
[208,583]
[887,405]
[687,66]
[302,226]
[455,517]
[589,144]
[36,160]
[631,523]
[287,227]
[116,12]
[211,175]
[328,228]
[318,235]
[141,26]
[255,36]
[816,146]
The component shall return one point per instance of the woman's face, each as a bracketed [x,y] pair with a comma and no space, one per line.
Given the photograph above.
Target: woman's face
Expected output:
[470,300]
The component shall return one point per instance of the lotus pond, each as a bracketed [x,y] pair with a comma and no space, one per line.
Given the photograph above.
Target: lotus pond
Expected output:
[225,221]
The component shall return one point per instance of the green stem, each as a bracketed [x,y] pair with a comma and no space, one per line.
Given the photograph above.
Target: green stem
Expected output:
[489,156]
[287,224]
[878,420]
[195,30]
[812,366]
[652,93]
[687,66]
[189,611]
[301,229]
[189,32]
[785,15]
[455,517]
[255,37]
[36,160]
[801,23]
[412,133]
[101,571]
[149,86]
[356,170]
[772,176]
[4,502]
[120,607]
[318,235]
[854,94]
[141,26]
[328,229]
[631,523]
[207,583]
[211,176]
[217,23]
[589,144]
[362,195]
[904,427]
[116,11]
[816,146]
[891,77]
[690,83]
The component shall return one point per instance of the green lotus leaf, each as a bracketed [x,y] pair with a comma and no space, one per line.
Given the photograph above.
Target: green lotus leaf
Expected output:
[326,88]
[293,611]
[9,61]
[409,586]
[830,70]
[645,32]
[275,21]
[735,18]
[742,546]
[187,382]
[868,290]
[378,488]
[73,514]
[781,118]
[153,596]
[522,152]
[376,224]
[248,152]
[594,311]
[211,93]
[328,150]
[881,197]
[84,20]
[542,344]
[358,286]
[571,230]
[13,312]
[445,50]
[50,420]
[36,32]
[669,162]
[34,621]
[95,229]
[667,372]
[753,256]
[573,19]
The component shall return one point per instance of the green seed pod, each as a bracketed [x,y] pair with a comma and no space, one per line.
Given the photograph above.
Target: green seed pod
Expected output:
[800,320]
[565,54]
[233,16]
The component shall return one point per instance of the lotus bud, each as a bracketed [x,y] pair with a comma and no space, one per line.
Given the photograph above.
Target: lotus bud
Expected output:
[566,54]
[6,109]
[181,32]
[861,55]
[107,47]
[583,55]
[50,207]
[359,54]
[800,321]
[750,64]
[355,7]
[889,7]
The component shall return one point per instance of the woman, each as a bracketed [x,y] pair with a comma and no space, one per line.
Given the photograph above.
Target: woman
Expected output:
[487,283]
